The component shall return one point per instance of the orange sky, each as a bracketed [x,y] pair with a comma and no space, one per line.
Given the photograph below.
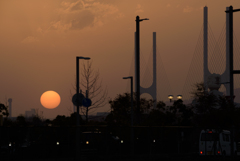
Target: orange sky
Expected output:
[40,39]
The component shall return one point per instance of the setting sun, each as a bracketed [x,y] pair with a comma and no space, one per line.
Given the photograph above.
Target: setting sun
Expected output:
[50,99]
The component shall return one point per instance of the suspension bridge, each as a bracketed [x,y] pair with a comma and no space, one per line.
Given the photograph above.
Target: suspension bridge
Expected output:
[216,63]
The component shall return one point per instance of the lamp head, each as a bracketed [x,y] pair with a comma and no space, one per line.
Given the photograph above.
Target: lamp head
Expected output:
[143,19]
[170,97]
[179,97]
[130,77]
[81,57]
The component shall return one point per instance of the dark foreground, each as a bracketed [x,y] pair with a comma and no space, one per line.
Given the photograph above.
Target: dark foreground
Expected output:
[104,144]
[161,157]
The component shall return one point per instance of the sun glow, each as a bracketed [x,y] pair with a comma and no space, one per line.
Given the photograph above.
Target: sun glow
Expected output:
[50,99]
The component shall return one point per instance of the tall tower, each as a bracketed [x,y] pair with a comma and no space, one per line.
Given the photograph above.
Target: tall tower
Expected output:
[10,107]
[152,90]
[225,77]
[205,47]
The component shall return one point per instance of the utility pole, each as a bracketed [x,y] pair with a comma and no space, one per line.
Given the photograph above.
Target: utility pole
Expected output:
[230,14]
[137,70]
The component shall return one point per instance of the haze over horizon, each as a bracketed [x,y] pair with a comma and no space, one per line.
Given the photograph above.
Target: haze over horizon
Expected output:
[41,39]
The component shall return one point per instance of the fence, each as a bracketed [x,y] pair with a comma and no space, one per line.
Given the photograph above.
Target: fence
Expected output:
[100,142]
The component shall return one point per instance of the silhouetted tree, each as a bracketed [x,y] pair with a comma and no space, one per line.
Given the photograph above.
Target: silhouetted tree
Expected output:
[212,110]
[156,118]
[48,122]
[7,122]
[90,82]
[59,121]
[21,121]
[185,113]
[4,110]
[67,121]
[121,109]
[73,119]
[203,100]
[161,105]
[177,114]
[165,115]
[37,121]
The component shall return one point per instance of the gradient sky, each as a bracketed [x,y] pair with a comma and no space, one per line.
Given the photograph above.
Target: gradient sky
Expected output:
[40,39]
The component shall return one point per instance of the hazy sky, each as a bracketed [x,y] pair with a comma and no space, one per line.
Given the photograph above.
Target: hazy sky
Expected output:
[40,39]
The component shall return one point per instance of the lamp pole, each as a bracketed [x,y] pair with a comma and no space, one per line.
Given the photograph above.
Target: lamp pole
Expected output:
[138,20]
[131,78]
[230,14]
[132,137]
[77,91]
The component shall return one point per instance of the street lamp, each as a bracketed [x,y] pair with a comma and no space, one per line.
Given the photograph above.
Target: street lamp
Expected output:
[170,97]
[77,90]
[132,144]
[138,20]
[231,71]
[130,77]
[230,16]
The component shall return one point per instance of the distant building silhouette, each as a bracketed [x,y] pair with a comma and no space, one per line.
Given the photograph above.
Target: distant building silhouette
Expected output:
[100,116]
[31,113]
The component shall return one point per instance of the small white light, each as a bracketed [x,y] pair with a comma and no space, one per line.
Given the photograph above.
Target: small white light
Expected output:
[121,141]
[10,144]
[57,143]
[154,141]
[87,142]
